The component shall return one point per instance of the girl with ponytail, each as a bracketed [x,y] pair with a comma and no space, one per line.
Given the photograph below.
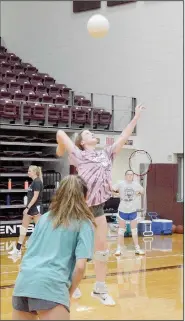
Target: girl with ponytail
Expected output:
[33,209]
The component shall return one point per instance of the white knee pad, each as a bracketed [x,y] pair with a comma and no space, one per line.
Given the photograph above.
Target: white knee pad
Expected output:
[23,230]
[134,231]
[121,231]
[101,256]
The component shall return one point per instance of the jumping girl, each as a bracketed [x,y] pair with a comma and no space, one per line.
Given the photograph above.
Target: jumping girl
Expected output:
[95,166]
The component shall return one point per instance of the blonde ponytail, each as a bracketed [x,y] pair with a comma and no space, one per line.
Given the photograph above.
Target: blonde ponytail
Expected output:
[39,173]
[37,170]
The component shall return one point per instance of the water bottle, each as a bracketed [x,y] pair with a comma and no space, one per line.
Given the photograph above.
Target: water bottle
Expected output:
[57,184]
[9,183]
[25,200]
[26,185]
[8,200]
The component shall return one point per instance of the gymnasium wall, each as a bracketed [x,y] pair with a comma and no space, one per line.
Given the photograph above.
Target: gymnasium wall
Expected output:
[141,57]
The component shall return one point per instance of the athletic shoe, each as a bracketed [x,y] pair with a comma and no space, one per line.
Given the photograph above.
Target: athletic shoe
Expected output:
[101,293]
[77,294]
[118,252]
[138,251]
[15,252]
[14,258]
[104,298]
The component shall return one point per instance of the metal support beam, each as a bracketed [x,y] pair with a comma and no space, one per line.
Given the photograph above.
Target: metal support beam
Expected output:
[112,106]
[92,110]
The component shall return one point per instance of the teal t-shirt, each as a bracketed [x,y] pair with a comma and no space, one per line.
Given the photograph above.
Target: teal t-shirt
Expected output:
[47,266]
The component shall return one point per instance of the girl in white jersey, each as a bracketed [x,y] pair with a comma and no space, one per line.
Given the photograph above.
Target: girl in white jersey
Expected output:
[95,168]
[128,190]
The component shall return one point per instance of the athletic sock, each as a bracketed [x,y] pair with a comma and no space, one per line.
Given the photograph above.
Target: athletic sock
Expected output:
[18,246]
[100,287]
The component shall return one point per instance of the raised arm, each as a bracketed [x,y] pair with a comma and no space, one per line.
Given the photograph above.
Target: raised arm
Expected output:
[128,130]
[64,143]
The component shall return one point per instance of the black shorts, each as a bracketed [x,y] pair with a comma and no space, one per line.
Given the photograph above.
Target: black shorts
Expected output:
[35,210]
[97,210]
[33,305]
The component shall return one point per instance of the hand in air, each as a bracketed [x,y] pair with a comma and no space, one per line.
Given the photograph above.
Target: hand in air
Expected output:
[139,109]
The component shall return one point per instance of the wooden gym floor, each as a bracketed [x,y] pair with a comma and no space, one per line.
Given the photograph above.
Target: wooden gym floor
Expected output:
[145,288]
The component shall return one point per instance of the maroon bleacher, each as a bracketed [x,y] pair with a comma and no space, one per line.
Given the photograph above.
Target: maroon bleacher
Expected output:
[21,83]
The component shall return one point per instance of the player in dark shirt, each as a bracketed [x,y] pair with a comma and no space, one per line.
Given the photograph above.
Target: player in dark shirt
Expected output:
[33,209]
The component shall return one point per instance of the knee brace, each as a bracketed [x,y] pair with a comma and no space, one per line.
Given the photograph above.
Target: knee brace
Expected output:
[101,256]
[121,231]
[134,231]
[23,231]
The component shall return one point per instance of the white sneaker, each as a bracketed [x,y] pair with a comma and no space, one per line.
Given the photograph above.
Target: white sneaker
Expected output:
[104,298]
[77,294]
[138,251]
[15,252]
[14,258]
[118,252]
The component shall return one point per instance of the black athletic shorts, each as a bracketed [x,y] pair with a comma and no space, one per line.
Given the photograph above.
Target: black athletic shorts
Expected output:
[25,304]
[97,210]
[35,210]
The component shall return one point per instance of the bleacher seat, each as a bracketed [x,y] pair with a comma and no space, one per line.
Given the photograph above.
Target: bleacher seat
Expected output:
[5,94]
[18,68]
[2,84]
[46,99]
[32,97]
[48,80]
[35,79]
[10,111]
[61,100]
[95,116]
[4,66]
[22,82]
[3,49]
[53,114]
[81,101]
[53,90]
[3,57]
[19,96]
[9,75]
[13,59]
[27,88]
[40,90]
[79,115]
[38,112]
[30,70]
[13,86]
[22,78]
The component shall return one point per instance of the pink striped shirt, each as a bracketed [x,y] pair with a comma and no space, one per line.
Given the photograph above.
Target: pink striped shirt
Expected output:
[95,168]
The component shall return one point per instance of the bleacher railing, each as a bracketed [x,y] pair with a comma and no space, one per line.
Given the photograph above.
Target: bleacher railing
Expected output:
[121,109]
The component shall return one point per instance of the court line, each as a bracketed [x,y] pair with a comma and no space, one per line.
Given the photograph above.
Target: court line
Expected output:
[172,267]
[114,261]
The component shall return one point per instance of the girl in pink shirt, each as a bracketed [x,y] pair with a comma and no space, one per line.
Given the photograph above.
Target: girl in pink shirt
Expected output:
[95,166]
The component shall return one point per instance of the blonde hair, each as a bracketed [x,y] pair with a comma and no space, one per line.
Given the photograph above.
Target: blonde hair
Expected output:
[37,170]
[69,202]
[78,140]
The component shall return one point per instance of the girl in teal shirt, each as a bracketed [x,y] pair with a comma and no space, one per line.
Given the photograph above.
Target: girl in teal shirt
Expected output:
[55,260]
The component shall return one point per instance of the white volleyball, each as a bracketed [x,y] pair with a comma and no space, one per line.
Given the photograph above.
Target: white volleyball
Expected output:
[98,26]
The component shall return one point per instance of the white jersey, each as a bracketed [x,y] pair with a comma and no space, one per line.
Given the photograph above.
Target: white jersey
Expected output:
[128,195]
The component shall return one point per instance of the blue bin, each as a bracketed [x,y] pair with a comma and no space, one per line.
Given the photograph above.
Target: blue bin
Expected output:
[162,227]
[144,226]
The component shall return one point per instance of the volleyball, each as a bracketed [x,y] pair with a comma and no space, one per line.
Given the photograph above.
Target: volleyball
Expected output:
[98,26]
